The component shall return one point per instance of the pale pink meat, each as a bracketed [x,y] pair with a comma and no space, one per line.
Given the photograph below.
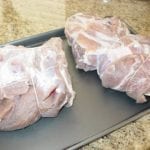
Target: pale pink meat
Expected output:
[88,34]
[34,83]
[129,74]
[106,45]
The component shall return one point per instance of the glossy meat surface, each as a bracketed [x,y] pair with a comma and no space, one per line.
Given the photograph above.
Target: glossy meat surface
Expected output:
[34,83]
[106,45]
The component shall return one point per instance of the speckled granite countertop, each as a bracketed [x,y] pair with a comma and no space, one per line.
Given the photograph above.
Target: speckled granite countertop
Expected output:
[20,18]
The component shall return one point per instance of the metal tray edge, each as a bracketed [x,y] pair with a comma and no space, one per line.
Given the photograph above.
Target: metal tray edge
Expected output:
[30,39]
[108,131]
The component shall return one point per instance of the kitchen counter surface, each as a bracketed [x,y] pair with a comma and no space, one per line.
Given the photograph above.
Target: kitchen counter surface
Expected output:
[21,18]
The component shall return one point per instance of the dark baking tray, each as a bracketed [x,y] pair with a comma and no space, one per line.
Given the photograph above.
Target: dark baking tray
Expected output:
[96,111]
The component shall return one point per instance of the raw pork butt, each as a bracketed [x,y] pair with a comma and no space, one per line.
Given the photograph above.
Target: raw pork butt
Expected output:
[88,35]
[122,59]
[34,83]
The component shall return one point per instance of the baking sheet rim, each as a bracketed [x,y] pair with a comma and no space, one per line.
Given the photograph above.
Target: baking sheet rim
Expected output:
[109,130]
